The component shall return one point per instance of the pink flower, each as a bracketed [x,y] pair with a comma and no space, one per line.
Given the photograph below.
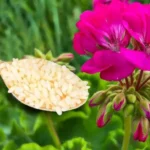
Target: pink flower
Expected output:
[141,129]
[137,22]
[84,43]
[101,29]
[102,34]
[112,65]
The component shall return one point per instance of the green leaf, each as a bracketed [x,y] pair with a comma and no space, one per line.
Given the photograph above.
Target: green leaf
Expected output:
[18,135]
[2,136]
[10,146]
[76,144]
[34,146]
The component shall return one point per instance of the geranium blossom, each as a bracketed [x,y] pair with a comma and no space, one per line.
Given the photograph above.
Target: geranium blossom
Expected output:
[102,34]
[138,24]
[116,35]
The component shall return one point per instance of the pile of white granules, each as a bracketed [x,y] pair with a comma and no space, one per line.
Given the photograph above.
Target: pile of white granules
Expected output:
[44,85]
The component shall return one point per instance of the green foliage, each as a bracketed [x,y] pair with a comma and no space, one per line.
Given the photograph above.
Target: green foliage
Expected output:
[76,144]
[42,24]
[33,146]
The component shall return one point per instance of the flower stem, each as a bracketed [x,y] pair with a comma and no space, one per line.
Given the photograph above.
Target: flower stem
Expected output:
[144,83]
[127,131]
[127,82]
[139,79]
[132,79]
[52,130]
[121,83]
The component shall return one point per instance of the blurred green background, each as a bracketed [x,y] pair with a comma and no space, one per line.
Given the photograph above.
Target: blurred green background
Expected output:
[43,24]
[50,25]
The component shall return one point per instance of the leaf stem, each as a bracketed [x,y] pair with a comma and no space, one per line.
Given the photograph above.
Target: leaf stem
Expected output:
[127,132]
[52,130]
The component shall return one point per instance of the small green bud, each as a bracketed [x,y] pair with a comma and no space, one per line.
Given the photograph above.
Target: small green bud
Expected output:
[38,53]
[49,55]
[145,107]
[119,101]
[104,114]
[65,57]
[98,98]
[131,89]
[128,110]
[140,129]
[131,98]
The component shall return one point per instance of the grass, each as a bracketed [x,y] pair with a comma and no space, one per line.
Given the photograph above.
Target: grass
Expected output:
[42,24]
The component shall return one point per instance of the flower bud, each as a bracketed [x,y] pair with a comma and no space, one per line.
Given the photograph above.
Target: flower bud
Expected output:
[131,98]
[140,128]
[119,101]
[128,110]
[145,106]
[131,89]
[98,98]
[104,114]
[38,53]
[65,57]
[49,55]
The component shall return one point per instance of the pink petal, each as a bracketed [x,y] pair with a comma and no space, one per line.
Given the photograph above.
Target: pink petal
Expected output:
[116,73]
[135,30]
[118,106]
[118,66]
[83,43]
[89,67]
[140,59]
[77,44]
[147,36]
[139,135]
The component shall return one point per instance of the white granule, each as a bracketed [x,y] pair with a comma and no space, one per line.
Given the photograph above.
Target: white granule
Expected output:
[44,85]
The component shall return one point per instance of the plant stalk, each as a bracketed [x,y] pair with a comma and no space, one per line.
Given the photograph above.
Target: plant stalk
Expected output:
[127,82]
[127,132]
[52,130]
[139,79]
[132,79]
[144,82]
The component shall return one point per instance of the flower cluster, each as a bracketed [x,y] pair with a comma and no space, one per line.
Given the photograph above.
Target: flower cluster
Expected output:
[116,36]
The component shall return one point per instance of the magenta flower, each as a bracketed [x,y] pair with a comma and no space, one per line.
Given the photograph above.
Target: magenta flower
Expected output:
[110,64]
[84,43]
[102,34]
[141,132]
[137,24]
